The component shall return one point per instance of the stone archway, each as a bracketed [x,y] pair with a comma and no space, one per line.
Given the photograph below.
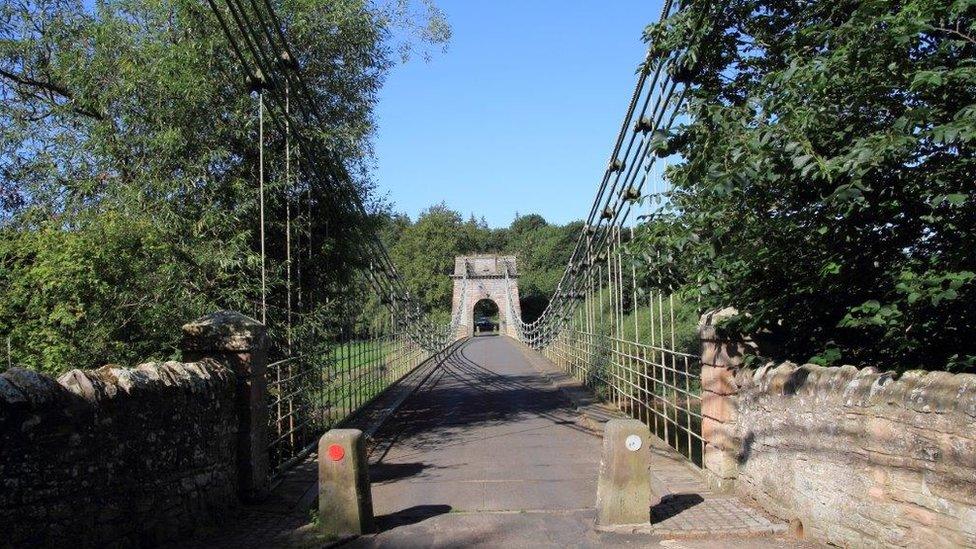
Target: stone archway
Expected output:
[488,312]
[478,277]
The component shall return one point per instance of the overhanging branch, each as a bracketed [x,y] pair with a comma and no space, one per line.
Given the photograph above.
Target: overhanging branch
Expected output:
[51,88]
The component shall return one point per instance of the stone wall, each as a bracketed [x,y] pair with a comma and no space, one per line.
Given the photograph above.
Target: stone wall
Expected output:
[124,457]
[859,458]
[115,456]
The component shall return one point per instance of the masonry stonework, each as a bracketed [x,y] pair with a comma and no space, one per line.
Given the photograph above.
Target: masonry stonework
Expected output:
[118,456]
[721,357]
[493,277]
[861,458]
[858,457]
[240,343]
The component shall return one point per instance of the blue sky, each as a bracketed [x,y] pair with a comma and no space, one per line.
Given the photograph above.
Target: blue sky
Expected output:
[518,115]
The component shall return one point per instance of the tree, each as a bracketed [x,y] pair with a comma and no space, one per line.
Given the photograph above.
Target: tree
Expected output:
[425,255]
[128,168]
[425,252]
[527,223]
[542,251]
[826,187]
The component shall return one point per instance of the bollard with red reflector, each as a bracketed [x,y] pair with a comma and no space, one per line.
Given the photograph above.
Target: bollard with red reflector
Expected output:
[345,504]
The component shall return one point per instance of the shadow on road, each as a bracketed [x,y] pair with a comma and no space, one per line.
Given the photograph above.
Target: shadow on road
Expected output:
[410,515]
[463,395]
[385,472]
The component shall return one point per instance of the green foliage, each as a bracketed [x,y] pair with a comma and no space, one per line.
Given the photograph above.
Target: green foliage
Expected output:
[543,251]
[128,172]
[826,186]
[424,252]
[659,329]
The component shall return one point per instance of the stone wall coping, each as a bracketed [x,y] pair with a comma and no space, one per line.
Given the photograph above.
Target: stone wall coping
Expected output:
[23,388]
[224,331]
[139,455]
[922,391]
[32,388]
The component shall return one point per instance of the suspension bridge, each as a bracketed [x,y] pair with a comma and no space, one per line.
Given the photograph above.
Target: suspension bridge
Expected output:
[475,439]
[489,440]
[583,328]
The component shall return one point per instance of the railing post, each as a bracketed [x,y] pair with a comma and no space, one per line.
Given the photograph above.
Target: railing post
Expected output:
[721,357]
[240,343]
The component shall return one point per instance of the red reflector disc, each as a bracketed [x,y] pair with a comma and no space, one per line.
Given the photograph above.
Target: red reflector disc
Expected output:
[336,452]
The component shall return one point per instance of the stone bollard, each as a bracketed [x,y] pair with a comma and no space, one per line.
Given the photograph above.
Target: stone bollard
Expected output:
[345,503]
[623,493]
[240,343]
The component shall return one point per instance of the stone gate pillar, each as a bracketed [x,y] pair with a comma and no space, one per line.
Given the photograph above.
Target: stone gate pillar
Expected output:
[241,344]
[721,357]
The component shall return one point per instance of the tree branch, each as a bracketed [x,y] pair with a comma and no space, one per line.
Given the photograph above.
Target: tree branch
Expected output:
[51,87]
[956,32]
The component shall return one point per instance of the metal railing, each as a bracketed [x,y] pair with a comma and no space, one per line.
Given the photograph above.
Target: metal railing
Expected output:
[313,392]
[660,387]
[316,381]
[631,343]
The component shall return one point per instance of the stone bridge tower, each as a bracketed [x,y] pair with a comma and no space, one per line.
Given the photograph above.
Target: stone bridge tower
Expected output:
[478,277]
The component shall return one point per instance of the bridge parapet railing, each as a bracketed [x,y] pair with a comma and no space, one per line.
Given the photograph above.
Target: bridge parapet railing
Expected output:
[632,341]
[651,382]
[313,391]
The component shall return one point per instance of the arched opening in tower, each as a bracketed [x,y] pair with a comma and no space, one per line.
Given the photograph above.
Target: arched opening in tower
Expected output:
[485,317]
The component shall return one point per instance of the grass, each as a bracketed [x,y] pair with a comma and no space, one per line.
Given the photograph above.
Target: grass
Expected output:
[319,391]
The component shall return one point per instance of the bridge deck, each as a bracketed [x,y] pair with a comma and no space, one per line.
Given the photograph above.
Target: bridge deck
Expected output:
[487,433]
[492,451]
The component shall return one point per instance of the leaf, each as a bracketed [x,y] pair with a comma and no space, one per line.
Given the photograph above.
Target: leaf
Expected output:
[827,357]
[801,161]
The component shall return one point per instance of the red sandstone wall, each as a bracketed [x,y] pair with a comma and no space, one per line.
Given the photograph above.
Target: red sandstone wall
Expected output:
[861,458]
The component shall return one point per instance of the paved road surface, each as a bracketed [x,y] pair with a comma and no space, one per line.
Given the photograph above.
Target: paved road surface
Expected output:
[491,453]
[489,433]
